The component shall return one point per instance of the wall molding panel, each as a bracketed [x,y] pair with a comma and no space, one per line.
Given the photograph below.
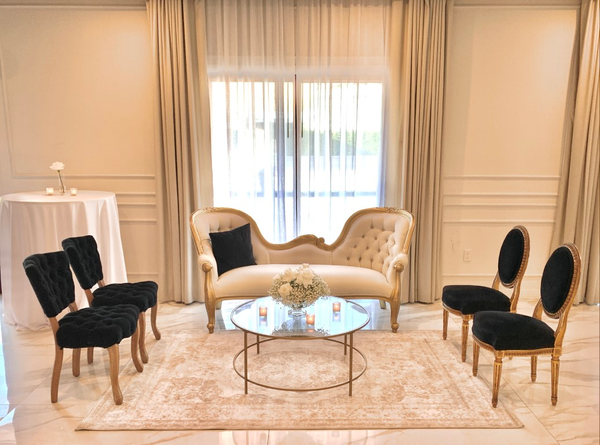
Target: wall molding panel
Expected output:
[76,86]
[503,131]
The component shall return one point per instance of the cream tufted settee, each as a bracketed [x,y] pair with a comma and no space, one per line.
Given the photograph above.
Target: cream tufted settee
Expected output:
[365,262]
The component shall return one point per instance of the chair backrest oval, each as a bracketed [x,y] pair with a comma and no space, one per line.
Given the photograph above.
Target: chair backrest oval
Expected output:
[51,280]
[85,259]
[560,279]
[513,255]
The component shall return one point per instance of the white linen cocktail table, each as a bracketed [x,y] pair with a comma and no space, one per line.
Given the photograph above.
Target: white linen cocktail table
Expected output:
[333,317]
[34,222]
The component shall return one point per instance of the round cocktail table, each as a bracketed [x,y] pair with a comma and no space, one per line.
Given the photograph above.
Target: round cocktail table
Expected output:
[328,318]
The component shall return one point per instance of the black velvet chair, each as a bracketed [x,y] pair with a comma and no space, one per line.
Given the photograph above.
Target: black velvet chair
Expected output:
[466,300]
[83,255]
[513,335]
[52,282]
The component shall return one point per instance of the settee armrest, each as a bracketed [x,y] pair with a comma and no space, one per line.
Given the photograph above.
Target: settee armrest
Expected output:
[209,274]
[203,259]
[401,258]
[399,261]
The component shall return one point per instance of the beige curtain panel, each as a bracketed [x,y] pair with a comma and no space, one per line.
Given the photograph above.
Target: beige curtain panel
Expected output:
[417,58]
[577,217]
[181,124]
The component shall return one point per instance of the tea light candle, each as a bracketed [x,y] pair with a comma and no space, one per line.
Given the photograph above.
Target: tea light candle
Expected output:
[310,318]
[336,307]
[262,311]
[73,191]
[49,190]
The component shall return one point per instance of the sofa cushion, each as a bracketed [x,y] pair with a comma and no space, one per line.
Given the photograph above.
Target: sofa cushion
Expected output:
[344,281]
[232,248]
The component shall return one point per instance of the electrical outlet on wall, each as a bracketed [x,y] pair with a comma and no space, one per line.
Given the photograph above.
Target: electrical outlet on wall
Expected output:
[467,255]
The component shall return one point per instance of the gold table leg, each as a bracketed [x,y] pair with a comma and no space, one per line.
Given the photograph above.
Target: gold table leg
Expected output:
[245,362]
[350,365]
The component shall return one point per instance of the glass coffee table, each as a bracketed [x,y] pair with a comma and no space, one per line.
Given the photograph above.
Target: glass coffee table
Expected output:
[328,318]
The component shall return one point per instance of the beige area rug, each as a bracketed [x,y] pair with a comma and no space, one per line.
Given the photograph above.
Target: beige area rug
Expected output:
[413,380]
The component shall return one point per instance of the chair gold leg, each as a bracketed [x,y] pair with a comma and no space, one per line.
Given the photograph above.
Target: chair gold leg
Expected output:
[554,368]
[90,355]
[58,359]
[134,350]
[142,334]
[497,375]
[76,365]
[113,359]
[475,358]
[533,368]
[153,314]
[382,304]
[463,340]
[444,324]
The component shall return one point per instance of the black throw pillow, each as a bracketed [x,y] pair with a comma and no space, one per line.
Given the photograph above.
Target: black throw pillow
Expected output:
[232,249]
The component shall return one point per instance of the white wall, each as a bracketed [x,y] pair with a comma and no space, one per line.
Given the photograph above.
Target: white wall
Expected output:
[506,99]
[76,87]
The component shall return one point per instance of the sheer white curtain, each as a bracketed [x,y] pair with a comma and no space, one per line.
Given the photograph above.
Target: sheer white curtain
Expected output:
[297,110]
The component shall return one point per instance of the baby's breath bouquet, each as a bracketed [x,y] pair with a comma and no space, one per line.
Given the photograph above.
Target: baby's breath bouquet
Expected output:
[298,288]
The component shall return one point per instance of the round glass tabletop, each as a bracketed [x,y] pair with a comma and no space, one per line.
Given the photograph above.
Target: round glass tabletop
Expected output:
[327,317]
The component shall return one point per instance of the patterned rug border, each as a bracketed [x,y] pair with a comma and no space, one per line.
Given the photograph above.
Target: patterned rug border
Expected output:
[223,345]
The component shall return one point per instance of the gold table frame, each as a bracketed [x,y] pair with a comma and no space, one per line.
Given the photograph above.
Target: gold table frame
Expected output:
[348,346]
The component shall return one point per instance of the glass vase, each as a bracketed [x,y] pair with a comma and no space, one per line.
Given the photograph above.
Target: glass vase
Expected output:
[297,310]
[61,184]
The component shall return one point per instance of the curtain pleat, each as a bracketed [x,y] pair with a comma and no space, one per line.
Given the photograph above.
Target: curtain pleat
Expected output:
[426,41]
[181,124]
[577,217]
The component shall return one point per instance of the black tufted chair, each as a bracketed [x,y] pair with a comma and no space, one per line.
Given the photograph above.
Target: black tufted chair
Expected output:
[466,300]
[511,335]
[105,327]
[85,261]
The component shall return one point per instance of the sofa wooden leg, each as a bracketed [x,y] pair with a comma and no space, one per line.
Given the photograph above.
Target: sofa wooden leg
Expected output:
[210,311]
[394,310]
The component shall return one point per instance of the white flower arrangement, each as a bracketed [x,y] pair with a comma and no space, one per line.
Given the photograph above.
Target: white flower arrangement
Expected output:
[58,167]
[298,288]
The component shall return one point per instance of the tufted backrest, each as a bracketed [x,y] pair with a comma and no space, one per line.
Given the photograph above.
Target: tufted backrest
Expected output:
[560,279]
[514,255]
[83,255]
[51,279]
[371,238]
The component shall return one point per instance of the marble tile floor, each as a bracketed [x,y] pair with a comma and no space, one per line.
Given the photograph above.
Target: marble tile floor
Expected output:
[28,417]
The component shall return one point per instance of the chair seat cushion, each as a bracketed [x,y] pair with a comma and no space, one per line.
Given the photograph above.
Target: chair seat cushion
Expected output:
[506,331]
[98,327]
[469,299]
[142,294]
